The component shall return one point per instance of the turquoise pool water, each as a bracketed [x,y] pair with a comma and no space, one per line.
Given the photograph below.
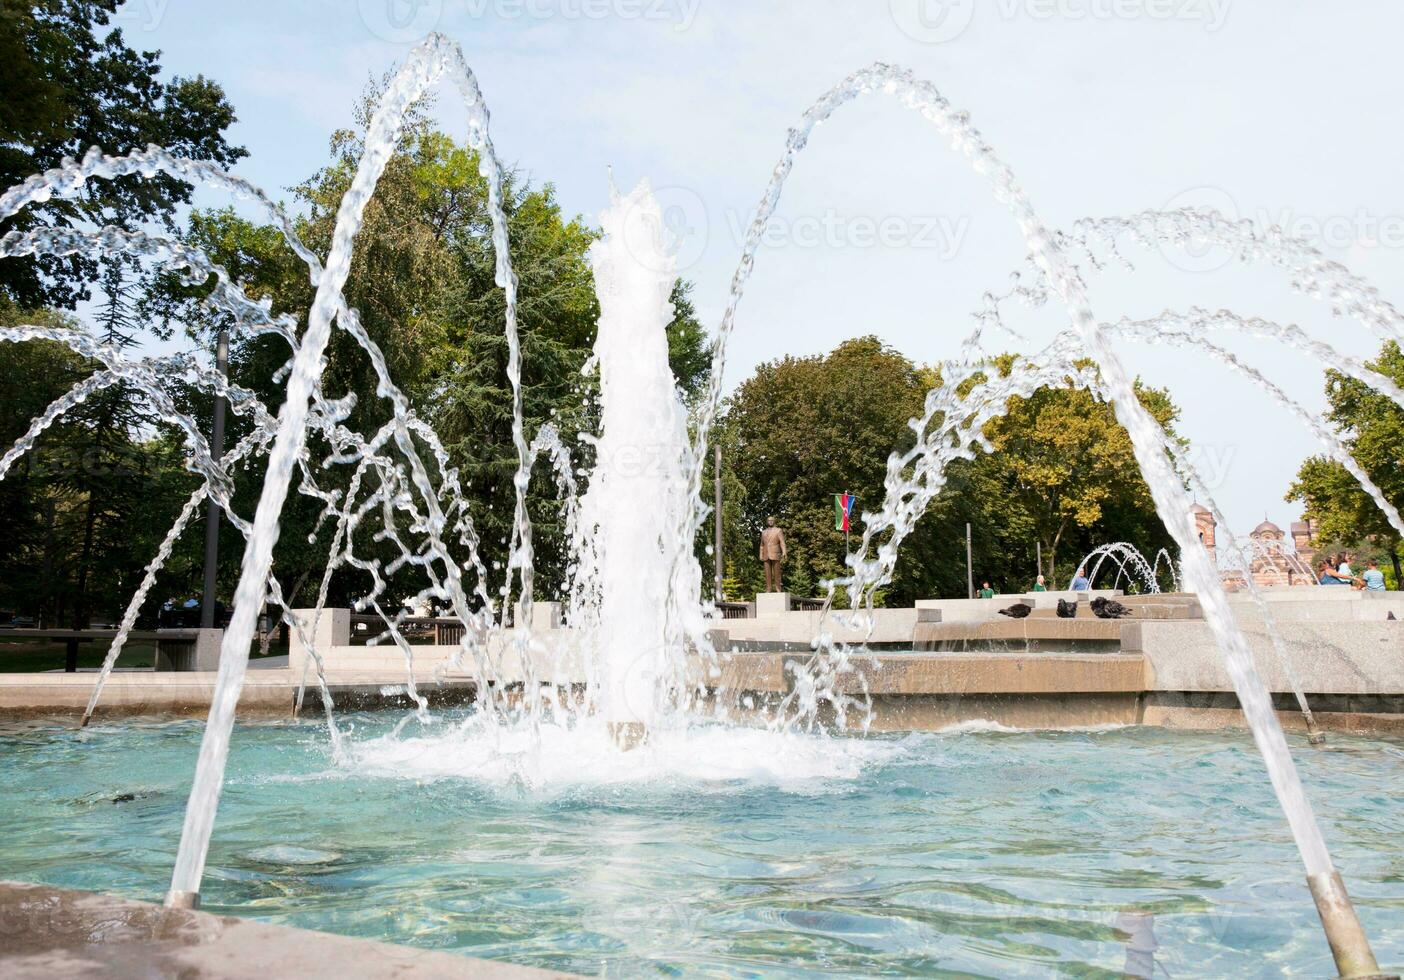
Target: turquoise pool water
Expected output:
[966,853]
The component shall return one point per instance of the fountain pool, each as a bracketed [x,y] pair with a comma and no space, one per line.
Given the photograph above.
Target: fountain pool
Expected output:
[975,852]
[877,809]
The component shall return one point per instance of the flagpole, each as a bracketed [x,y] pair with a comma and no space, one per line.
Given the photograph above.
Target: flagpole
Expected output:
[847,520]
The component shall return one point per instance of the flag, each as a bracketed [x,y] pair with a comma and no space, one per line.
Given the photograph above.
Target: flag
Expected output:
[843,510]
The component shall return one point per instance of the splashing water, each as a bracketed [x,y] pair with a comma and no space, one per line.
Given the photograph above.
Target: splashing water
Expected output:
[632,533]
[1125,556]
[638,489]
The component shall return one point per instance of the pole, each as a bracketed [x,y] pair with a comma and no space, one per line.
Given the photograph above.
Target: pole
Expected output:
[969,565]
[1038,547]
[212,516]
[717,593]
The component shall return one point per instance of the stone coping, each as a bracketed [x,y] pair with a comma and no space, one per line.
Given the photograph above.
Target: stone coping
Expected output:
[46,933]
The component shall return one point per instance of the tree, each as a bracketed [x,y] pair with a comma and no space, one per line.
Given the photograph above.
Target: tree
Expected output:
[71,83]
[1371,426]
[1062,464]
[1062,473]
[83,512]
[802,429]
[423,282]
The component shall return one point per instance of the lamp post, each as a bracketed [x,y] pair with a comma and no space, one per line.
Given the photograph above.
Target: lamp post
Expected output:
[212,516]
[717,525]
[969,565]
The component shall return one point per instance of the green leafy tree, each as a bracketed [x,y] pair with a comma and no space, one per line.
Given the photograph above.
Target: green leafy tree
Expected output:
[1062,475]
[423,283]
[1372,428]
[802,429]
[77,509]
[70,82]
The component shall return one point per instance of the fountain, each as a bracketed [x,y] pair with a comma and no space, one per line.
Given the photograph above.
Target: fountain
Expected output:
[638,488]
[634,595]
[1126,556]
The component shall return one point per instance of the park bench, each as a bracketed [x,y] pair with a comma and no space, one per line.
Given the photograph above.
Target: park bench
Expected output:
[170,642]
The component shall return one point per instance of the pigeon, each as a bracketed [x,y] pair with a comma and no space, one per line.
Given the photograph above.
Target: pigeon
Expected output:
[1066,609]
[1104,608]
[1390,616]
[1017,611]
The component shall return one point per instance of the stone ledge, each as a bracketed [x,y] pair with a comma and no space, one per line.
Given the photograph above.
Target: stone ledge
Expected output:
[57,932]
[949,674]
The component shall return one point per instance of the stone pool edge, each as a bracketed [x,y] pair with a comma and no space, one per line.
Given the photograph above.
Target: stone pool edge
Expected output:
[920,691]
[48,932]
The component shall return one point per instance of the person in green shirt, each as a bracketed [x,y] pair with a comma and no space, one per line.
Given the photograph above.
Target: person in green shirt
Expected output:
[1039,585]
[985,591]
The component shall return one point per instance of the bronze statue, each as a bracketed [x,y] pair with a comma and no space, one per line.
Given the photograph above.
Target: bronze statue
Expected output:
[772,553]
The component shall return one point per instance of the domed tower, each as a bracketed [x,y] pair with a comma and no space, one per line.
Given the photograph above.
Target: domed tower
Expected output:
[1204,525]
[1304,540]
[1269,564]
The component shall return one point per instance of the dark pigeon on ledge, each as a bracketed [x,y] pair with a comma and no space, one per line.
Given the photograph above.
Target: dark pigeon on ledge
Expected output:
[1017,611]
[1066,609]
[1104,608]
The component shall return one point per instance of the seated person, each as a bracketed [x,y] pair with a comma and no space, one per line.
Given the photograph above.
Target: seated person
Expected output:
[1374,578]
[1326,576]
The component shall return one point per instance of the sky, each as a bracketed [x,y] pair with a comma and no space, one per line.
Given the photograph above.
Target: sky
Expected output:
[1281,111]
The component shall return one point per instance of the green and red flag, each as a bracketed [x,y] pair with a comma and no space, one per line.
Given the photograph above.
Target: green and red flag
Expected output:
[843,511]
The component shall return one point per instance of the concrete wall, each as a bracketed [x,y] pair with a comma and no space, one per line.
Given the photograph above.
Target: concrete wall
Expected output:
[975,610]
[1321,603]
[1343,657]
[795,630]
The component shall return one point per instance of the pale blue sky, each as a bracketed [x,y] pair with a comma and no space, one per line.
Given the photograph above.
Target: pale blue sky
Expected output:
[1286,109]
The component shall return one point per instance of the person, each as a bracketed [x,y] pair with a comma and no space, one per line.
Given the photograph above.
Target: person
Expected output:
[1325,576]
[1374,578]
[1343,569]
[1040,585]
[985,591]
[1080,582]
[772,553]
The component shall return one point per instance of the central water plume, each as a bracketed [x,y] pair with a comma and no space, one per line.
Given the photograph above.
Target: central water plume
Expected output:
[638,492]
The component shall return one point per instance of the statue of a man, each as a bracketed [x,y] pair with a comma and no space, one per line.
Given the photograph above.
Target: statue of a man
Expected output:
[772,553]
